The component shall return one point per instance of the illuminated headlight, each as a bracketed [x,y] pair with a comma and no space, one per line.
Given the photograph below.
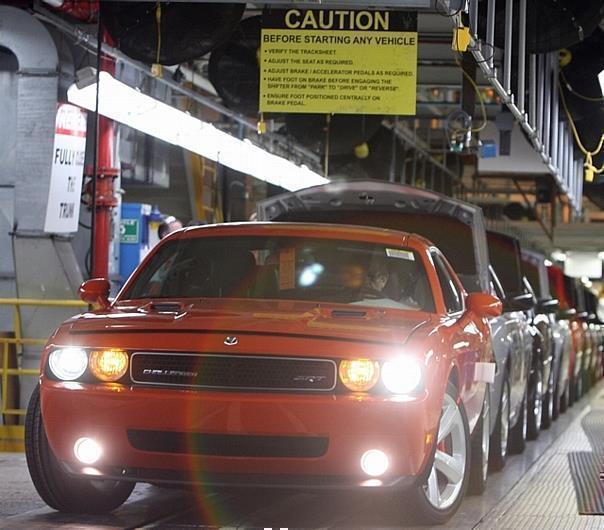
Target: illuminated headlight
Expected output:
[109,365]
[402,376]
[68,364]
[359,375]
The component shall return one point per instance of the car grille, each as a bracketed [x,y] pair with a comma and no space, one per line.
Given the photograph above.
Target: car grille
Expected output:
[229,444]
[233,372]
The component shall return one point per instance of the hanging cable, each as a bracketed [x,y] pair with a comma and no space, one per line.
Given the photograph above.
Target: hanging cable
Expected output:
[577,94]
[156,68]
[590,169]
[483,109]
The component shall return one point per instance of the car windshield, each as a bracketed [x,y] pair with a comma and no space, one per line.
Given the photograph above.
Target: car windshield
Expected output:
[292,268]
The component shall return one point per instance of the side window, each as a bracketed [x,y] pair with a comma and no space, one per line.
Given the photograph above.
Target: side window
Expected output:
[451,294]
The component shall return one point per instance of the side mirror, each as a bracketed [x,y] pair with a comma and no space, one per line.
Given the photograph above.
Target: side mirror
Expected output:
[484,304]
[565,314]
[548,305]
[95,291]
[522,302]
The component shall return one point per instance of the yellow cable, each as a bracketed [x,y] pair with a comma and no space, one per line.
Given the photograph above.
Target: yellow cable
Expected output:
[483,109]
[156,68]
[588,154]
[574,92]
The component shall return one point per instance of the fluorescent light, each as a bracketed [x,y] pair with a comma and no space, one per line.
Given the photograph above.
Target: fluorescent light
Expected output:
[601,255]
[601,79]
[127,105]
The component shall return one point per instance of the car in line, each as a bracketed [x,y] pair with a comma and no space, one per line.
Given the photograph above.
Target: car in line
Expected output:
[535,271]
[458,229]
[255,355]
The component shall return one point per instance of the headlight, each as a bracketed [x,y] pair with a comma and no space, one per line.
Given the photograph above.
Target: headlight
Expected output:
[109,365]
[359,375]
[68,364]
[402,376]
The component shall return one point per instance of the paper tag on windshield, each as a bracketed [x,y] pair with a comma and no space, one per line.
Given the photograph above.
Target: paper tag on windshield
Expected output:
[287,269]
[400,254]
[484,372]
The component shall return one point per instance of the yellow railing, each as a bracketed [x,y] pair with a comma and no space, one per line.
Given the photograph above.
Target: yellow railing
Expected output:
[11,436]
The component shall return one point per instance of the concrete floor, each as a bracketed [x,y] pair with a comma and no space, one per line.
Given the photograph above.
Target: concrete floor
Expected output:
[535,491]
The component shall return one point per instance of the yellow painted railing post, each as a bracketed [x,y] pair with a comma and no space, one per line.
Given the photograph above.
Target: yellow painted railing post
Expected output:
[11,436]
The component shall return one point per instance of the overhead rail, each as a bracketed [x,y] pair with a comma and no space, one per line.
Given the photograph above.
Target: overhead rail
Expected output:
[272,142]
[550,137]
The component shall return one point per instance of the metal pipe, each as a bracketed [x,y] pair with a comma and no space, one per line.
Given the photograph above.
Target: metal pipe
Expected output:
[491,31]
[560,147]
[547,102]
[533,90]
[473,6]
[521,54]
[104,199]
[507,52]
[554,109]
[540,90]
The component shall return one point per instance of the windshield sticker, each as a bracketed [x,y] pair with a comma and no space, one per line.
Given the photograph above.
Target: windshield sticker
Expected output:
[400,254]
[287,269]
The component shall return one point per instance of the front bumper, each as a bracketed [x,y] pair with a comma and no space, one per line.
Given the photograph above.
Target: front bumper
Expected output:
[352,424]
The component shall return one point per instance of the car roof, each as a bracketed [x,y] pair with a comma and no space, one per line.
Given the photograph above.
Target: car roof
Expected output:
[324,230]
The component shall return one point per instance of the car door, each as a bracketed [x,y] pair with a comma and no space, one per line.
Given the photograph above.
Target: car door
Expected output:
[466,339]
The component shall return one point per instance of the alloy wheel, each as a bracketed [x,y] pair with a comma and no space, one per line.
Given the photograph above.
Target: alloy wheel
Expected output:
[446,477]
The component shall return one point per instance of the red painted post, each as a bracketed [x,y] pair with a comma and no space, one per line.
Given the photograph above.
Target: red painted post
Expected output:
[105,198]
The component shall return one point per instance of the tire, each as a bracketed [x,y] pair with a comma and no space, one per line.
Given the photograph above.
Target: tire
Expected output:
[58,489]
[498,449]
[479,452]
[556,403]
[549,400]
[423,501]
[535,404]
[565,399]
[517,441]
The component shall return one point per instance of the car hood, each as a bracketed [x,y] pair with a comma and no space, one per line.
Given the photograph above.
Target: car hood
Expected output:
[292,319]
[456,227]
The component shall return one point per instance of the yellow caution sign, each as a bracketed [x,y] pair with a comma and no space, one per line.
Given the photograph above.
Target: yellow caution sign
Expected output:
[338,61]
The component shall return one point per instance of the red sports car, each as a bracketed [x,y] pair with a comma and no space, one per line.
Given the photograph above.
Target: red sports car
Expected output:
[270,354]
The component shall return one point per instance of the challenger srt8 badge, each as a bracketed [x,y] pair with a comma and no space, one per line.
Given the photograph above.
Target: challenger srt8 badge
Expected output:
[231,341]
[312,379]
[177,373]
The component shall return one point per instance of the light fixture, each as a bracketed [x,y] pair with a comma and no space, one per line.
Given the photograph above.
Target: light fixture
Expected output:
[374,462]
[87,450]
[601,79]
[402,375]
[559,255]
[601,255]
[131,107]
[68,364]
[547,262]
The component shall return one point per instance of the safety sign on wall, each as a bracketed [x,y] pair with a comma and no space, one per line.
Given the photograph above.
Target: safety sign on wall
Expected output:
[338,61]
[129,231]
[63,209]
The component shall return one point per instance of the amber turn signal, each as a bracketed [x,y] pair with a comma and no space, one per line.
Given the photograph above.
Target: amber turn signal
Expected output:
[359,375]
[108,365]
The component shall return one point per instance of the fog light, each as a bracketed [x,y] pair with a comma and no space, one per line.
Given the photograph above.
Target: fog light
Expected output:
[87,450]
[374,462]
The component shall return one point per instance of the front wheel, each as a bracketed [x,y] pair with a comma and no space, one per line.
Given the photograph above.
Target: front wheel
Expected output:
[498,449]
[479,457]
[439,495]
[535,403]
[518,432]
[58,489]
